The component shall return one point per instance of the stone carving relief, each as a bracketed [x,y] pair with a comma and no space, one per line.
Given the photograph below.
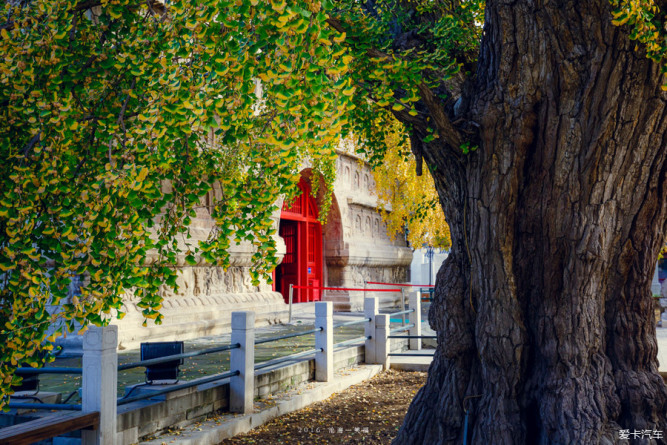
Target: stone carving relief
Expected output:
[390,274]
[199,281]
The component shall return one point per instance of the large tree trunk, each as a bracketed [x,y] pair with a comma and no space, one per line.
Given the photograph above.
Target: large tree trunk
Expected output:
[543,309]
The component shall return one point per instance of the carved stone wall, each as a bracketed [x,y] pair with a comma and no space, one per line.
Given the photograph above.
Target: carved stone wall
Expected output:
[363,251]
[356,249]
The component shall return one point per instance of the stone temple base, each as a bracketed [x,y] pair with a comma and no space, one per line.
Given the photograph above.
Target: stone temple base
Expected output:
[191,317]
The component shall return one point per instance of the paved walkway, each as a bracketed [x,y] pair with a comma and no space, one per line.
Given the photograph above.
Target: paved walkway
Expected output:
[224,426]
[227,425]
[216,429]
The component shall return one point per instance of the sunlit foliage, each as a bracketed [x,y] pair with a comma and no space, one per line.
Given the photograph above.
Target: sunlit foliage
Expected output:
[114,124]
[408,202]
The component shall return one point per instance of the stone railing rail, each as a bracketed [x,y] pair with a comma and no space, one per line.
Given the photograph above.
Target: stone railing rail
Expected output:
[100,361]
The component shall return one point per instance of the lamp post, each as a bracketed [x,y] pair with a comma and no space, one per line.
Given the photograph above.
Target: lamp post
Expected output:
[429,254]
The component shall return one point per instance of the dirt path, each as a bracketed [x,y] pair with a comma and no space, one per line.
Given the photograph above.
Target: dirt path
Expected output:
[368,413]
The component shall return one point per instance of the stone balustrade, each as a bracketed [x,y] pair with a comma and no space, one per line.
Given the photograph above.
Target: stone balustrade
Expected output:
[126,424]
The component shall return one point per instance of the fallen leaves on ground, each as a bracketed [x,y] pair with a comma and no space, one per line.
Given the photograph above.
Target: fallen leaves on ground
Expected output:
[368,413]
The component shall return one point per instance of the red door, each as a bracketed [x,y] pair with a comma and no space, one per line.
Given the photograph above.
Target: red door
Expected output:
[302,233]
[289,270]
[313,259]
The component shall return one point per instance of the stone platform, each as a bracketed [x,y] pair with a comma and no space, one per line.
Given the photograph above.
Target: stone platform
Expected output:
[411,363]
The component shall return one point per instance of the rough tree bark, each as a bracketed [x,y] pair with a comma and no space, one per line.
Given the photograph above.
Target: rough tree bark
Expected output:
[543,308]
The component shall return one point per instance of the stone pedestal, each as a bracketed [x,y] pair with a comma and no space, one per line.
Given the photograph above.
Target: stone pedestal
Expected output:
[241,387]
[99,383]
[324,365]
[371,309]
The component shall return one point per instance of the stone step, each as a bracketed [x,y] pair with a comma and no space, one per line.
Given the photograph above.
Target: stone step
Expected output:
[408,363]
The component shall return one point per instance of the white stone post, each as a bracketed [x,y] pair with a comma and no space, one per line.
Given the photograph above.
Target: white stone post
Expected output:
[416,320]
[242,386]
[99,383]
[324,360]
[370,311]
[655,283]
[382,341]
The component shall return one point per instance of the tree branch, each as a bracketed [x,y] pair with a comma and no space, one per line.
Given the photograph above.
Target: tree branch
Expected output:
[31,143]
[87,4]
[335,24]
[417,148]
[445,126]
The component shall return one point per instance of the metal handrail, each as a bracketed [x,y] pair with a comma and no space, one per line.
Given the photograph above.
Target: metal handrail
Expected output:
[350,323]
[125,400]
[168,358]
[351,341]
[279,360]
[52,370]
[407,311]
[298,334]
[402,328]
[61,406]
[401,354]
[400,285]
[413,336]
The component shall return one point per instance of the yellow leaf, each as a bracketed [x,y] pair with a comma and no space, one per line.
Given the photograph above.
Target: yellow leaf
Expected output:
[279,7]
[142,174]
[222,71]
[339,38]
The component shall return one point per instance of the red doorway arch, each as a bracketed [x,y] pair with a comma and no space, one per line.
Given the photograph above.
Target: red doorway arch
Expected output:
[302,233]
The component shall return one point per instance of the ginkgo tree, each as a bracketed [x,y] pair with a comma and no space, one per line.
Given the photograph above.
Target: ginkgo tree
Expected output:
[543,125]
[116,119]
[408,203]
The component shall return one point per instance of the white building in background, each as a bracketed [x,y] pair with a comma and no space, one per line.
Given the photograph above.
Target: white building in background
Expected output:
[425,265]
